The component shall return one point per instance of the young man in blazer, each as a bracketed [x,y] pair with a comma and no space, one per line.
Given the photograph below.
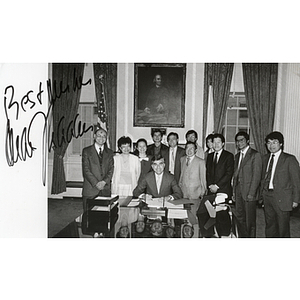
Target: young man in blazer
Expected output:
[280,186]
[173,156]
[97,168]
[158,183]
[246,183]
[219,168]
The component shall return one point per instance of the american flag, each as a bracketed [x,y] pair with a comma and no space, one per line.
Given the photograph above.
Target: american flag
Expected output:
[102,116]
[101,109]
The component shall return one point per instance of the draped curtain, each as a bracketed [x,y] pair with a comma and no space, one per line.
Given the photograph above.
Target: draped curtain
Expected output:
[109,72]
[260,82]
[66,79]
[219,75]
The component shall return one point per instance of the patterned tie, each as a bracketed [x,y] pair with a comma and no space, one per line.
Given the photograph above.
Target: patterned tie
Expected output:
[268,173]
[188,160]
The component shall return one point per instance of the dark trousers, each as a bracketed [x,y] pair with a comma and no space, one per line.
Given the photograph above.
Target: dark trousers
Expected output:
[277,221]
[245,213]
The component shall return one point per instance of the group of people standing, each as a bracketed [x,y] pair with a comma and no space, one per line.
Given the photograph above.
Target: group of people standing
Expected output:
[174,172]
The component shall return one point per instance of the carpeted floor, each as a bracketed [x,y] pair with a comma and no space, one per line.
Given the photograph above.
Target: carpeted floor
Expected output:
[63,211]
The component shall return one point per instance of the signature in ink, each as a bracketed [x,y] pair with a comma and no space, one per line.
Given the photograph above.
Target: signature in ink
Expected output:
[20,147]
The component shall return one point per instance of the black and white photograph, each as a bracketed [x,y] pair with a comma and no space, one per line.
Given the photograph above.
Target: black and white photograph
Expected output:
[154,123]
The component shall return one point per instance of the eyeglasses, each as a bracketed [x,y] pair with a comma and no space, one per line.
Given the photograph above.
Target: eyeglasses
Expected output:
[240,140]
[275,142]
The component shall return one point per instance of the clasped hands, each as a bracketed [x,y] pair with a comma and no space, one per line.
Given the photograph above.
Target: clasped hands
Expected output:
[213,188]
[100,185]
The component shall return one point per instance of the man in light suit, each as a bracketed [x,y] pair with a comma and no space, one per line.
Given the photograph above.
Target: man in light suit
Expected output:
[246,182]
[158,183]
[193,178]
[173,156]
[280,186]
[219,168]
[97,168]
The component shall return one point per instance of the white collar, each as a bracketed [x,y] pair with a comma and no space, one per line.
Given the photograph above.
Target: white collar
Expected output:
[244,151]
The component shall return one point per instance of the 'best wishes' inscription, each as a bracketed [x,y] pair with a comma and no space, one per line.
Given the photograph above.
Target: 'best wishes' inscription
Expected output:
[20,146]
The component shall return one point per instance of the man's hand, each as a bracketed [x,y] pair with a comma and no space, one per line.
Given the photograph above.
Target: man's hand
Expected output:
[100,185]
[295,204]
[169,198]
[159,108]
[250,198]
[213,188]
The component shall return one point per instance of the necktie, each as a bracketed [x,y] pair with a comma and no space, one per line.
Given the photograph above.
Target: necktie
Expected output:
[172,162]
[100,155]
[216,158]
[188,160]
[268,173]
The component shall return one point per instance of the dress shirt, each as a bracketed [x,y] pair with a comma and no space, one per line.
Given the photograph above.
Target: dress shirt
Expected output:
[97,147]
[276,156]
[158,179]
[189,159]
[172,165]
[219,154]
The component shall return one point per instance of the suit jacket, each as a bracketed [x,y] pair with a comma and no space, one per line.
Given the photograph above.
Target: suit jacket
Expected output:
[168,187]
[193,178]
[249,174]
[92,173]
[286,180]
[163,149]
[223,172]
[177,170]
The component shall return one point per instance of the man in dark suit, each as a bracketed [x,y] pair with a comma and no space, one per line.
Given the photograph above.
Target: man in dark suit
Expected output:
[173,156]
[280,186]
[219,168]
[158,183]
[157,148]
[246,181]
[97,168]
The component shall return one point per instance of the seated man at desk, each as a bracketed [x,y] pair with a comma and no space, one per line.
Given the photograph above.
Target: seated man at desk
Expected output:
[158,183]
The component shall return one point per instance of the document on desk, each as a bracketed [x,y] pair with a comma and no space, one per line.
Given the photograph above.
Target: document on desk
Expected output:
[161,202]
[177,214]
[133,204]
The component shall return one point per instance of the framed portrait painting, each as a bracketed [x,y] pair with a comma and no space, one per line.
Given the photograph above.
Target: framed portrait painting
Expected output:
[159,94]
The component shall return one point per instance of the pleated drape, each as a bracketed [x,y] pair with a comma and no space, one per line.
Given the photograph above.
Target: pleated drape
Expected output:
[66,81]
[219,76]
[260,82]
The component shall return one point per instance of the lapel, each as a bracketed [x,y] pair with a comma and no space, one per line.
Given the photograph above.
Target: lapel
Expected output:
[246,158]
[280,164]
[221,158]
[95,155]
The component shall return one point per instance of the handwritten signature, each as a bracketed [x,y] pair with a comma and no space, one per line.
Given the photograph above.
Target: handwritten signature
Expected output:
[20,147]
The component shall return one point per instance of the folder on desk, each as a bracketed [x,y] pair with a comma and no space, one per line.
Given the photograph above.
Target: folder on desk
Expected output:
[104,201]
